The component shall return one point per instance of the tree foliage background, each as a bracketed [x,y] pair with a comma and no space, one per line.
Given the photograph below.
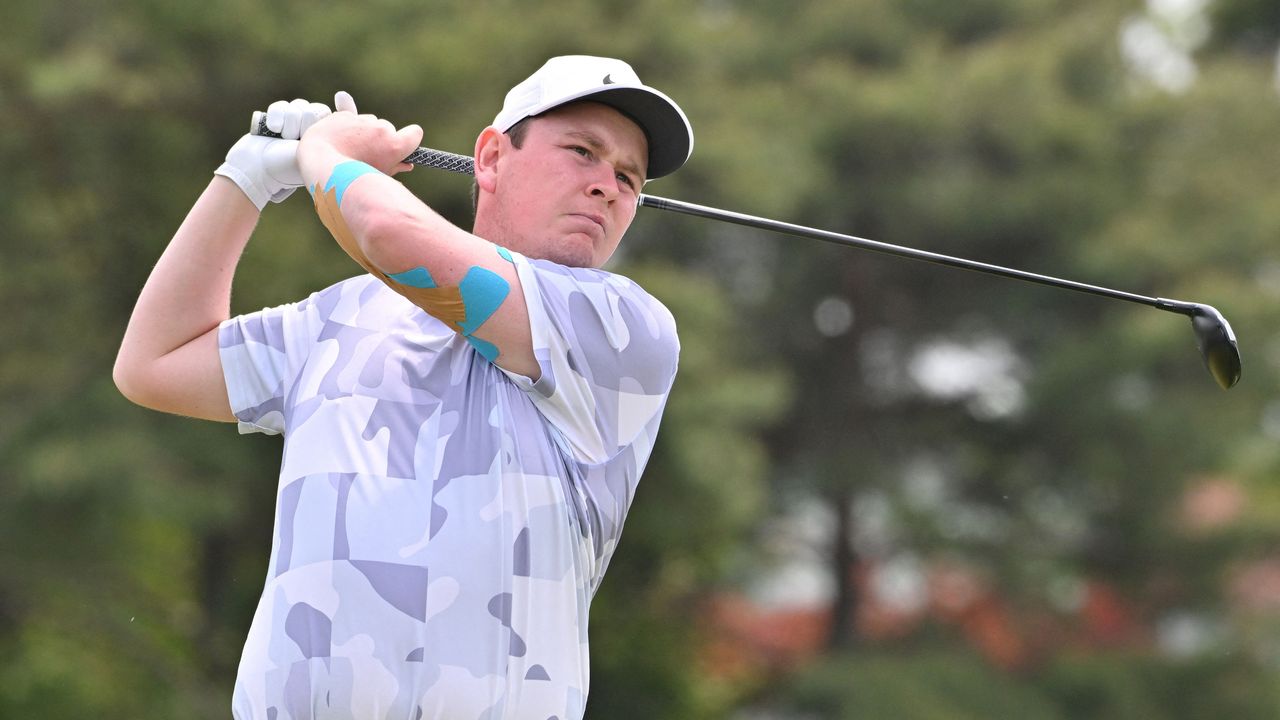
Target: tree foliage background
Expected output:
[1057,450]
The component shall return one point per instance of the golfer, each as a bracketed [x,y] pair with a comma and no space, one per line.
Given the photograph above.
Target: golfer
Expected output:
[464,423]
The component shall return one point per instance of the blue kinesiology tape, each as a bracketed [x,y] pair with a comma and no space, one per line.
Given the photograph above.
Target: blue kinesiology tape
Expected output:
[417,277]
[482,293]
[487,350]
[344,174]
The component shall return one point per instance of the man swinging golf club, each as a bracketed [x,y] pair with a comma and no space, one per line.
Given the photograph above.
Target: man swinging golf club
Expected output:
[464,424]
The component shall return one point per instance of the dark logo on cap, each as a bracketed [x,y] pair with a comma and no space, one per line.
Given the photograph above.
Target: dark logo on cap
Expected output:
[608,79]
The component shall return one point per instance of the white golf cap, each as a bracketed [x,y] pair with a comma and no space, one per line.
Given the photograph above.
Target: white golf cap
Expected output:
[612,82]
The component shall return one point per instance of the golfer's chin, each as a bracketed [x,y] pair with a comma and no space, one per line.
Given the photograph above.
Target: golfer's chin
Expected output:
[576,249]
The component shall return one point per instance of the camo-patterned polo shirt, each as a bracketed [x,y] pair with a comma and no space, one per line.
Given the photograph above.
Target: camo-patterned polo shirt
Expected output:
[442,525]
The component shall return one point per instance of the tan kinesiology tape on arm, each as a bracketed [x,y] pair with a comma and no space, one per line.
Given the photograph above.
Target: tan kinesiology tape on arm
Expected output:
[463,307]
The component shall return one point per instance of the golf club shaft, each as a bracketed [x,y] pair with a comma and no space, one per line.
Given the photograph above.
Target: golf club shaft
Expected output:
[463,164]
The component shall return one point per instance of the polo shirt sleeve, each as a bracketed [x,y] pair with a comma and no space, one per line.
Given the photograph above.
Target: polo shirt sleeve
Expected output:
[261,354]
[607,352]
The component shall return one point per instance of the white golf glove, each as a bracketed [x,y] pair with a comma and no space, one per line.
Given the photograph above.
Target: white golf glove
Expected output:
[267,168]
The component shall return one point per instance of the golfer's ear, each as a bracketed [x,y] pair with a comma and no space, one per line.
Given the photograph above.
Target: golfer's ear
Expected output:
[489,148]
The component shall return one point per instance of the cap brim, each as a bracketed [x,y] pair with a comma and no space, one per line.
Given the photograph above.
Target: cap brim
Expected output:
[664,124]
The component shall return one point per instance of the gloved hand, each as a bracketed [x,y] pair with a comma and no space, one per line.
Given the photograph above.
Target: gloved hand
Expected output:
[267,168]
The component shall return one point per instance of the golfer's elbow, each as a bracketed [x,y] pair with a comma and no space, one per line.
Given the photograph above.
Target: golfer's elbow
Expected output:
[136,378]
[130,377]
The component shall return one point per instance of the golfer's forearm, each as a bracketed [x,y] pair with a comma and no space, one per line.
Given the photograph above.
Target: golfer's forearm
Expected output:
[460,279]
[381,224]
[398,232]
[189,291]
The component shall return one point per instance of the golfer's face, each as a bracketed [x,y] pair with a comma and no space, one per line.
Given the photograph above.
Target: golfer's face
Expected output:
[570,192]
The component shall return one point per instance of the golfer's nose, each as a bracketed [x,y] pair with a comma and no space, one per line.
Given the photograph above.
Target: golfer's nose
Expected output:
[604,182]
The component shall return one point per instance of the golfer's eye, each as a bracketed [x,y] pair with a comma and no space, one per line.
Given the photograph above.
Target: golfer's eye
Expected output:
[580,150]
[625,179]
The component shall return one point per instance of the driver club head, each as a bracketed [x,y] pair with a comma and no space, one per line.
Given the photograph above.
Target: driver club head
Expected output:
[1217,344]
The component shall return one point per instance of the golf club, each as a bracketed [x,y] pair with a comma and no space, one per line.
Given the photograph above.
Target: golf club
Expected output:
[1216,341]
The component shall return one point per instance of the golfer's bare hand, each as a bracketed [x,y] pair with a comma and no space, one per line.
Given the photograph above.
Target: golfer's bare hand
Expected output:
[345,135]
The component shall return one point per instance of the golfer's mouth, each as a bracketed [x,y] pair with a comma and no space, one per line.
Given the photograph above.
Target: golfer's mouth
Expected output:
[597,220]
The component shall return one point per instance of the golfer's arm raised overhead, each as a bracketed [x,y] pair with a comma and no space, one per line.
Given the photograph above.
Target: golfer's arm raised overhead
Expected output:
[467,282]
[168,359]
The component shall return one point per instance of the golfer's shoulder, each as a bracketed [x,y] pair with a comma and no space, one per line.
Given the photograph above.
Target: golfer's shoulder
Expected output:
[610,317]
[594,284]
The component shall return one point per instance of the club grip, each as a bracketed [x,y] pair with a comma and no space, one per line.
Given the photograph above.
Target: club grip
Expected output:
[426,157]
[441,160]
[258,125]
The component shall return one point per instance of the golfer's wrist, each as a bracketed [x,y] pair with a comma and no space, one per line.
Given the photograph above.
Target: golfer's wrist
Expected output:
[316,161]
[231,195]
